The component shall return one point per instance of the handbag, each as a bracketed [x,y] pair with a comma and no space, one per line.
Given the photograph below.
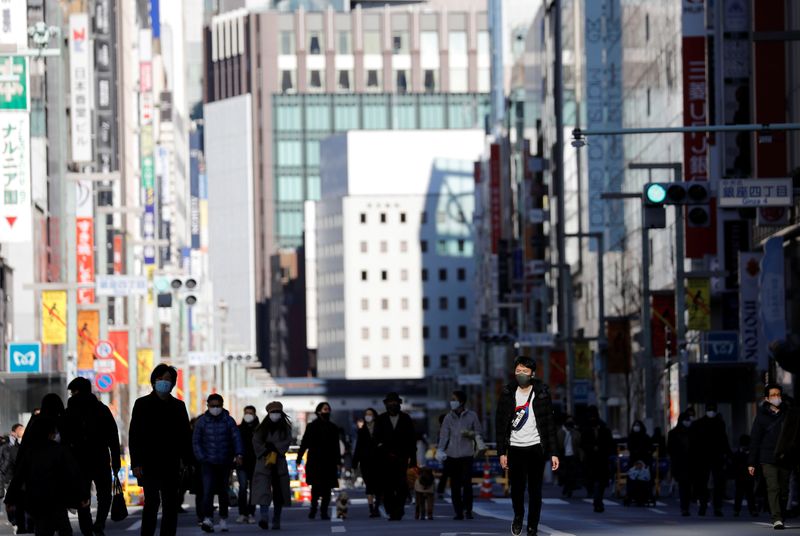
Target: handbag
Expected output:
[480,446]
[119,510]
[271,459]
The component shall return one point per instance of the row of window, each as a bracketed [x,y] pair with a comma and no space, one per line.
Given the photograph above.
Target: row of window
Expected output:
[444,303]
[373,44]
[444,332]
[441,217]
[441,247]
[444,360]
[461,274]
[386,362]
[374,82]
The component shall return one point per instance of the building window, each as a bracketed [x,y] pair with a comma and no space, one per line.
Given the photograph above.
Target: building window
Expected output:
[363,246]
[365,334]
[345,42]
[287,42]
[424,304]
[462,360]
[461,246]
[423,218]
[403,246]
[444,332]
[431,84]
[385,304]
[384,275]
[402,217]
[403,275]
[384,246]
[287,81]
[315,79]
[423,246]
[426,360]
[443,303]
[373,80]
[385,333]
[314,43]
[372,42]
[462,332]
[363,217]
[425,332]
[424,274]
[462,274]
[441,218]
[442,274]
[462,303]
[406,361]
[383,217]
[401,81]
[400,43]
[444,360]
[386,362]
[363,275]
[405,332]
[364,304]
[365,361]
[404,304]
[343,80]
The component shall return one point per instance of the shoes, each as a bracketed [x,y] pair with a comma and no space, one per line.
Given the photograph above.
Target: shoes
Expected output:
[263,524]
[459,517]
[374,512]
[599,508]
[223,525]
[181,510]
[313,512]
[516,526]
[251,519]
[532,531]
[470,516]
[276,523]
[207,525]
[325,516]
[99,532]
[778,525]
[241,519]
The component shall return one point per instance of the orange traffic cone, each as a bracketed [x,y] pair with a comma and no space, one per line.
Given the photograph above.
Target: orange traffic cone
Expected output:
[486,487]
[304,494]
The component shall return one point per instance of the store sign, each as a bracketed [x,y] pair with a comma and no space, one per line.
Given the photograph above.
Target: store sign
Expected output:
[121,285]
[80,84]
[737,193]
[85,252]
[537,340]
[16,209]
[698,301]
[24,357]
[14,23]
[752,343]
[772,291]
[14,83]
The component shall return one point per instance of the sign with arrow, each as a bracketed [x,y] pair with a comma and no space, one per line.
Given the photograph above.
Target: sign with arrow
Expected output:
[16,212]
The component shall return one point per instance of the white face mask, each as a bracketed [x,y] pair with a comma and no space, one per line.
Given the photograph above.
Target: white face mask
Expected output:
[637,428]
[215,411]
[368,418]
[775,401]
[249,417]
[275,417]
[711,414]
[455,404]
[687,423]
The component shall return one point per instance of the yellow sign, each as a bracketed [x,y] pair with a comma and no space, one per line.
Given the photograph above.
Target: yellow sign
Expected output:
[54,315]
[583,361]
[192,402]
[698,301]
[144,365]
[88,333]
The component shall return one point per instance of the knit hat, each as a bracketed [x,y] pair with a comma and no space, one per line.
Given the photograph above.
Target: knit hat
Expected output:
[274,406]
[393,397]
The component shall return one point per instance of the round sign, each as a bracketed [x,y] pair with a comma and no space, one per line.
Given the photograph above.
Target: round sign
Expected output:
[104,382]
[103,349]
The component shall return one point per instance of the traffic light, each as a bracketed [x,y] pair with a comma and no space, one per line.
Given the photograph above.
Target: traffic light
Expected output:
[187,287]
[695,195]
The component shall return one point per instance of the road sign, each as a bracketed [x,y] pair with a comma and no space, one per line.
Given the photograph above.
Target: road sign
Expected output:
[737,193]
[103,350]
[722,346]
[104,382]
[470,379]
[25,357]
[89,374]
[105,366]
[121,285]
[537,340]
[580,391]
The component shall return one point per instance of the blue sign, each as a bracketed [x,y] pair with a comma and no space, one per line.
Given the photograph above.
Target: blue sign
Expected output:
[25,357]
[772,292]
[89,374]
[722,346]
[580,391]
[104,382]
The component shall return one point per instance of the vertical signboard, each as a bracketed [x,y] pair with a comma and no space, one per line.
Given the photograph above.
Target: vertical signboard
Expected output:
[662,324]
[752,343]
[88,333]
[84,239]
[14,22]
[144,365]
[146,142]
[495,204]
[14,82]
[54,315]
[81,75]
[195,155]
[698,301]
[700,241]
[618,334]
[772,291]
[119,340]
[105,62]
[164,188]
[16,224]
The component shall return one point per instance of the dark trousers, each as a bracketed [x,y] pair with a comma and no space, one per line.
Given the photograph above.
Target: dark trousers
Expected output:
[215,482]
[745,489]
[395,489]
[526,469]
[777,478]
[49,525]
[443,479]
[245,476]
[685,493]
[568,474]
[597,488]
[461,483]
[102,484]
[717,472]
[319,494]
[160,494]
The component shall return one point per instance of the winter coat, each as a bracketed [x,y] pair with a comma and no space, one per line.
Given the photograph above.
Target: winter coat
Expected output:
[366,455]
[397,446]
[47,480]
[457,436]
[160,438]
[710,441]
[216,440]
[788,447]
[8,462]
[542,412]
[598,448]
[246,432]
[561,436]
[321,441]
[679,446]
[640,447]
[264,484]
[93,437]
[764,435]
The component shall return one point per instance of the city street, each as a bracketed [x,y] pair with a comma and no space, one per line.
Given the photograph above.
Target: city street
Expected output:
[493,517]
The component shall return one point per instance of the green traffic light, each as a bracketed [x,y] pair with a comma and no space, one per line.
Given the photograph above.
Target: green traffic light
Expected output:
[655,193]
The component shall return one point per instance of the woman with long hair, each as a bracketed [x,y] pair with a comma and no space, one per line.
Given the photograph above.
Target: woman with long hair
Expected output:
[365,457]
[271,441]
[321,441]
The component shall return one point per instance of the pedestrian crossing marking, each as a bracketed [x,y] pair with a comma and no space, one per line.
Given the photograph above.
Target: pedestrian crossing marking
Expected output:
[656,511]
[338,528]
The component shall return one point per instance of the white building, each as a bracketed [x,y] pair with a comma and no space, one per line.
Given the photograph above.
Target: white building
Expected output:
[394,254]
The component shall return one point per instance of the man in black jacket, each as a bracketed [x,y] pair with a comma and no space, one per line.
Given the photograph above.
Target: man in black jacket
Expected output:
[159,440]
[712,449]
[526,439]
[598,446]
[395,439]
[764,439]
[94,441]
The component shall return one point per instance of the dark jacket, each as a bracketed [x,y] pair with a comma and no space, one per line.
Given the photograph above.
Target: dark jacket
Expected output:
[680,452]
[321,441]
[8,462]
[366,454]
[598,448]
[640,446]
[93,436]
[542,411]
[159,438]
[710,441]
[764,435]
[397,446]
[216,440]
[246,433]
[788,447]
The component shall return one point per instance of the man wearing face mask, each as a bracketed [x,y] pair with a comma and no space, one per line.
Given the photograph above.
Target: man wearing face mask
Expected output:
[680,458]
[457,439]
[244,473]
[160,439]
[321,441]
[765,434]
[526,440]
[395,438]
[569,454]
[711,451]
[217,445]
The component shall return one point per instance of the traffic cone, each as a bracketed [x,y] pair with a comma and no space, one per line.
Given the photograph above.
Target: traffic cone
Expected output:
[486,487]
[305,490]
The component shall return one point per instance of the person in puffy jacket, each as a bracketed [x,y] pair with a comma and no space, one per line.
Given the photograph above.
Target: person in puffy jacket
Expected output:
[217,443]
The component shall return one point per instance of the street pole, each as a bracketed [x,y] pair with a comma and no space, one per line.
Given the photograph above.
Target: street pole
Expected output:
[647,342]
[602,342]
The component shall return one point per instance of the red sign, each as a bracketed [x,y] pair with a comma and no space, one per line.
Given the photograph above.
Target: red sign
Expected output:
[117,252]
[662,323]
[494,195]
[120,341]
[104,382]
[179,391]
[618,333]
[85,255]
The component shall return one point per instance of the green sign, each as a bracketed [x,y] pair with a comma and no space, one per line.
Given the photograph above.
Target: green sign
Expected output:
[13,83]
[148,172]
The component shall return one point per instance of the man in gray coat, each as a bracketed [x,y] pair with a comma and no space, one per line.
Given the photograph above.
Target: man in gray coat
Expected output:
[458,438]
